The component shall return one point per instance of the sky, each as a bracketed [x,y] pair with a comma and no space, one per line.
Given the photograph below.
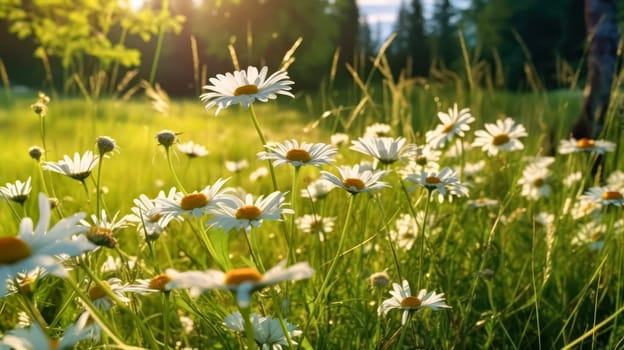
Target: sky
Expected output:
[383,13]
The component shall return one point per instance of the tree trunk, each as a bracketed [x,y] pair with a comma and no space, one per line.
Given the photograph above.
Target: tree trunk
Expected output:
[602,30]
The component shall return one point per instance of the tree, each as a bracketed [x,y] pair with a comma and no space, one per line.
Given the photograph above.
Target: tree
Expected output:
[445,46]
[411,43]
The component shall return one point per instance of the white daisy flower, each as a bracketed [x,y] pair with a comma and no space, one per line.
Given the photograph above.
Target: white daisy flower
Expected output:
[616,179]
[35,338]
[268,331]
[455,122]
[590,233]
[378,130]
[502,136]
[402,299]
[407,230]
[236,166]
[426,158]
[237,214]
[290,151]
[545,220]
[316,224]
[534,182]
[258,174]
[339,139]
[192,150]
[17,192]
[78,168]
[445,183]
[112,264]
[354,180]
[573,178]
[245,87]
[482,202]
[242,281]
[573,145]
[23,281]
[385,149]
[39,247]
[100,298]
[582,208]
[604,196]
[317,189]
[102,229]
[149,223]
[193,204]
[457,148]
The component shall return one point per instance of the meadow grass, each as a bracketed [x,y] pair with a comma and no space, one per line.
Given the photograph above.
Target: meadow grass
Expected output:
[512,281]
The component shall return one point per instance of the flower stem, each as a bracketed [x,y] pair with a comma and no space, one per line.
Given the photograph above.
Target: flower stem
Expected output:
[256,259]
[173,173]
[98,185]
[422,237]
[256,124]
[249,330]
[293,200]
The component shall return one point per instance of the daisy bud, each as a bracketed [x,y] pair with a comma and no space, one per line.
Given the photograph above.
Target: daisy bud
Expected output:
[54,203]
[35,152]
[166,138]
[378,280]
[105,144]
[39,108]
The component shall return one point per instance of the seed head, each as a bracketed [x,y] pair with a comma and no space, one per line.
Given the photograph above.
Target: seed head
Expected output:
[35,152]
[166,138]
[105,144]
[378,280]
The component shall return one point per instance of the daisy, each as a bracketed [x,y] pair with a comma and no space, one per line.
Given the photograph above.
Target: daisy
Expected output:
[101,298]
[38,248]
[316,224]
[573,145]
[406,230]
[534,182]
[354,180]
[242,281]
[402,299]
[457,148]
[236,166]
[258,174]
[237,214]
[378,130]
[101,230]
[445,183]
[502,136]
[78,169]
[245,87]
[268,331]
[590,233]
[604,196]
[454,123]
[315,154]
[482,202]
[34,337]
[17,192]
[582,208]
[616,179]
[385,149]
[150,225]
[339,139]
[317,189]
[192,150]
[572,178]
[24,281]
[193,204]
[425,158]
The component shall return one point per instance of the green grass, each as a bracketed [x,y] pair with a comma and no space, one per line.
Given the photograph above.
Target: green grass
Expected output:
[512,284]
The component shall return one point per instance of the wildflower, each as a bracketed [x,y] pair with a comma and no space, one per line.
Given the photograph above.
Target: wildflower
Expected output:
[78,169]
[385,149]
[40,107]
[316,224]
[242,281]
[378,130]
[268,331]
[192,150]
[245,87]
[236,166]
[502,136]
[534,182]
[582,208]
[258,174]
[34,337]
[585,145]
[545,220]
[378,280]
[317,189]
[402,299]
[105,144]
[616,179]
[446,183]
[339,139]
[354,180]
[238,214]
[101,298]
[35,152]
[482,202]
[425,158]
[24,281]
[38,248]
[591,233]
[115,264]
[166,138]
[315,154]
[407,229]
[455,122]
[17,192]
[572,178]
[145,214]
[604,196]
[457,148]
[193,204]
[101,231]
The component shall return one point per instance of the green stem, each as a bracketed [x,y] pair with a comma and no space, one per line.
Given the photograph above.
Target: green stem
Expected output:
[43,133]
[423,238]
[249,330]
[159,44]
[98,185]
[403,332]
[256,259]
[172,170]
[293,200]
[86,190]
[165,314]
[390,242]
[256,124]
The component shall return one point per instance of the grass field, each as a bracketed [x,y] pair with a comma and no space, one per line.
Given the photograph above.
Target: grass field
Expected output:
[519,273]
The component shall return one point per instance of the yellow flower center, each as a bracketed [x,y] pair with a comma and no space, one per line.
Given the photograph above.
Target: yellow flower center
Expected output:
[12,250]
[611,195]
[422,160]
[411,302]
[193,201]
[448,128]
[298,155]
[433,180]
[248,89]
[246,274]
[159,282]
[500,139]
[354,182]
[539,182]
[102,236]
[248,212]
[96,292]
[585,143]
[155,218]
